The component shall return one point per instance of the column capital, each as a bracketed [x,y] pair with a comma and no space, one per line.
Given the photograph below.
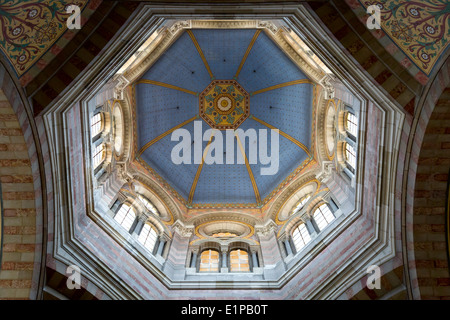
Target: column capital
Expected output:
[195,250]
[254,249]
[121,197]
[186,231]
[266,229]
[224,248]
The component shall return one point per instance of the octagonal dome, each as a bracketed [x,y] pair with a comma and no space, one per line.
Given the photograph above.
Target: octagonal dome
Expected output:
[250,64]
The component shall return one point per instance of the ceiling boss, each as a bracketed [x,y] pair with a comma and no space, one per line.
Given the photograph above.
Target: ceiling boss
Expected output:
[224,104]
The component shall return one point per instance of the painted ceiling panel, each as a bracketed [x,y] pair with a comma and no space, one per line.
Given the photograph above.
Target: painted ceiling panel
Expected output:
[267,65]
[30,28]
[288,109]
[155,104]
[224,63]
[181,65]
[290,157]
[419,28]
[158,156]
[225,183]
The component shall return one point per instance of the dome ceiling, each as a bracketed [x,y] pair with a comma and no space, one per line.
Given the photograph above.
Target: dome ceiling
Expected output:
[224,78]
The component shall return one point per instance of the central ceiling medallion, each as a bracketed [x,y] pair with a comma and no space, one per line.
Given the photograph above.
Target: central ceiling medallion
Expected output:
[224,104]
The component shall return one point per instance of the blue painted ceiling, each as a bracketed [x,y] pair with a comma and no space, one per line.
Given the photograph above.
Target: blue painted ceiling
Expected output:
[160,108]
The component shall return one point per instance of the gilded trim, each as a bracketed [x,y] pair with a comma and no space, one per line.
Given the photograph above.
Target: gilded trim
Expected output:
[166,85]
[250,172]
[197,46]
[298,143]
[281,85]
[199,170]
[247,52]
[148,144]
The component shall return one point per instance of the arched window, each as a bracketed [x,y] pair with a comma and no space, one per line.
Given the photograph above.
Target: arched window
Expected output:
[125,216]
[98,155]
[350,155]
[351,124]
[150,207]
[323,216]
[299,206]
[301,237]
[239,261]
[209,261]
[96,124]
[148,237]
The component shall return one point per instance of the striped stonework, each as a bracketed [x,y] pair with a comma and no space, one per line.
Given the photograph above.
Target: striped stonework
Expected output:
[18,206]
[423,159]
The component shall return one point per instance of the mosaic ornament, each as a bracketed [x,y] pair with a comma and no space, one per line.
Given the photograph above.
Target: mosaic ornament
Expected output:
[224,104]
[419,28]
[30,28]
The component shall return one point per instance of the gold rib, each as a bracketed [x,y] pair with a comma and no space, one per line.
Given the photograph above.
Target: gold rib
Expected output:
[148,144]
[250,172]
[199,170]
[200,52]
[281,85]
[284,134]
[250,46]
[162,84]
